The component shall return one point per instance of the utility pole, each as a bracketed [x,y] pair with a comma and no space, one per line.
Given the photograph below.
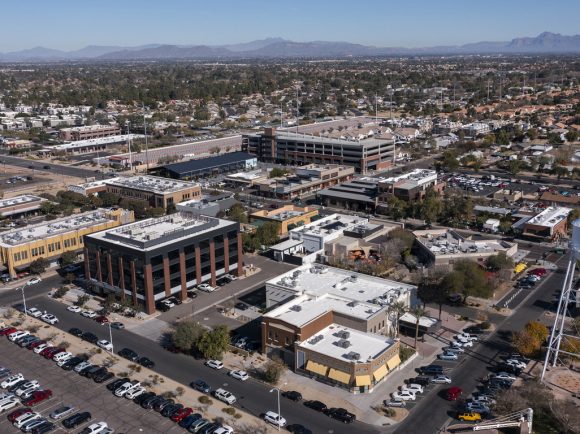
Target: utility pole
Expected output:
[297,110]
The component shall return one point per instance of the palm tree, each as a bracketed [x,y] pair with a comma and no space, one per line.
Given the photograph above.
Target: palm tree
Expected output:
[398,308]
[418,312]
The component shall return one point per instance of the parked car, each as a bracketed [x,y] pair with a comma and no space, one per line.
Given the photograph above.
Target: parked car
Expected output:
[504,376]
[102,376]
[478,407]
[145,361]
[225,396]
[517,363]
[88,314]
[117,325]
[316,406]
[37,397]
[105,345]
[49,318]
[431,370]
[404,395]
[129,354]
[74,309]
[275,419]
[214,364]
[201,386]
[441,379]
[102,319]
[413,387]
[171,409]
[95,428]
[453,393]
[341,414]
[469,417]
[8,403]
[292,395]
[34,312]
[89,337]
[76,419]
[448,356]
[126,387]
[116,383]
[61,412]
[34,281]
[205,287]
[12,380]
[239,375]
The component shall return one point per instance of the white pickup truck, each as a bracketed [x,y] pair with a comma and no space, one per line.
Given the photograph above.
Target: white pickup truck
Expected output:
[225,396]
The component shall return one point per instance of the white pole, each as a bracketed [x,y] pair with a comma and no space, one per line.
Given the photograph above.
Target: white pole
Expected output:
[24,299]
[111,337]
[279,414]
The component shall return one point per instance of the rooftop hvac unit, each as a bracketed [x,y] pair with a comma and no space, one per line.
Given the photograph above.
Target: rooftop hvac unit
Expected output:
[352,304]
[296,308]
[353,356]
[343,343]
[344,334]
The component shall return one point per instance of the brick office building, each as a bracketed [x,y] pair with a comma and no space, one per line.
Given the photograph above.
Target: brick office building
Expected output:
[153,259]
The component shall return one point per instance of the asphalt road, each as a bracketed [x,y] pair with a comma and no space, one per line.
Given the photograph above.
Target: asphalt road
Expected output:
[432,412]
[253,397]
[57,169]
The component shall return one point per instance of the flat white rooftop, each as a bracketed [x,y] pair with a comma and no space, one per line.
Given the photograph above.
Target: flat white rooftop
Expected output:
[330,224]
[443,242]
[346,344]
[416,177]
[152,184]
[302,310]
[550,217]
[94,142]
[248,176]
[20,200]
[54,227]
[318,280]
[94,184]
[157,232]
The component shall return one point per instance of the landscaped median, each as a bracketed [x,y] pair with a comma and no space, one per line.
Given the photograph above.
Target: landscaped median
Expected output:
[211,408]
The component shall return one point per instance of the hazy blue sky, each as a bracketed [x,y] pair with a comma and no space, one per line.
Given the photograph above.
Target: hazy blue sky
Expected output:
[67,24]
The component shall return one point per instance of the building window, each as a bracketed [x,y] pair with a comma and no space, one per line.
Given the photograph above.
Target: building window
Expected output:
[270,334]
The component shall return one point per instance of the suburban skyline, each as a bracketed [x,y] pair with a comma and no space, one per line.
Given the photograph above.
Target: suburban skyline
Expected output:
[419,23]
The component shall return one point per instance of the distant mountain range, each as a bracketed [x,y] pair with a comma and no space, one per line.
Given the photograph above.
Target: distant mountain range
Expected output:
[545,43]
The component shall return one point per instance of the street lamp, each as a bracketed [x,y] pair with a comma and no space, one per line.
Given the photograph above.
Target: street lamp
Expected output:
[23,298]
[277,389]
[111,337]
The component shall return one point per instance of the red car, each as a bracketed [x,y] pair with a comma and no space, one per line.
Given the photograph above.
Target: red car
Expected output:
[35,344]
[102,319]
[453,393]
[46,350]
[181,414]
[7,330]
[50,352]
[37,397]
[17,413]
[539,272]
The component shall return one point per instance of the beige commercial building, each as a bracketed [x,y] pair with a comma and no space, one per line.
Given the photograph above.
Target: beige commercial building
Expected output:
[287,217]
[49,240]
[88,132]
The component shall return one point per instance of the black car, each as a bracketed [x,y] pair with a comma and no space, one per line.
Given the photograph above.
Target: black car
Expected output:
[72,362]
[221,282]
[170,409]
[474,330]
[189,420]
[90,371]
[76,419]
[140,398]
[129,354]
[431,370]
[241,306]
[76,332]
[102,375]
[116,383]
[292,395]
[422,380]
[145,361]
[201,386]
[162,307]
[46,166]
[46,427]
[175,300]
[150,402]
[510,369]
[89,337]
[192,294]
[316,405]
[161,403]
[298,429]
[16,385]
[341,414]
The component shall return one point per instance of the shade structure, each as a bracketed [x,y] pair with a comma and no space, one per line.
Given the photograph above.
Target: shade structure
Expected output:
[340,376]
[380,373]
[393,362]
[317,368]
[362,380]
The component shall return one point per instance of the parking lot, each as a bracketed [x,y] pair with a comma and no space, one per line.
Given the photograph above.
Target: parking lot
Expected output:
[69,388]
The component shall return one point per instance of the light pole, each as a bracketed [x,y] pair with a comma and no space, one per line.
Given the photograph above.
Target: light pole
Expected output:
[23,298]
[111,337]
[277,389]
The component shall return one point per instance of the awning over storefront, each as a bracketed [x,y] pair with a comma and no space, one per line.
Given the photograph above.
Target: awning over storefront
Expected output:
[362,380]
[317,368]
[340,376]
[394,362]
[380,373]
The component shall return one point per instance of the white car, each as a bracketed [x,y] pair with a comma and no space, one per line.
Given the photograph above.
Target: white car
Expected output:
[517,363]
[49,318]
[95,428]
[462,338]
[454,348]
[62,357]
[214,364]
[448,356]
[8,403]
[465,344]
[224,396]
[81,366]
[415,388]
[275,419]
[34,281]
[504,376]
[34,312]
[404,395]
[484,399]
[225,429]
[126,387]
[88,314]
[205,287]
[239,375]
[75,309]
[229,277]
[28,386]
[105,345]
[477,407]
[25,418]
[30,425]
[41,347]
[135,393]
[11,381]
[18,334]
[441,379]
[168,303]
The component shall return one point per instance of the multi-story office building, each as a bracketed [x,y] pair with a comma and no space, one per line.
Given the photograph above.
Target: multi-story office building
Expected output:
[298,149]
[286,217]
[410,186]
[158,192]
[88,132]
[156,258]
[49,240]
[26,204]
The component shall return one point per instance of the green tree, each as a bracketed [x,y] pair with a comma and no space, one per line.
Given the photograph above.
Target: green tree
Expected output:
[267,234]
[449,161]
[38,266]
[68,258]
[277,172]
[571,136]
[467,279]
[430,207]
[212,344]
[186,334]
[109,199]
[498,262]
[418,312]
[238,213]
[397,309]
[429,292]
[396,207]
